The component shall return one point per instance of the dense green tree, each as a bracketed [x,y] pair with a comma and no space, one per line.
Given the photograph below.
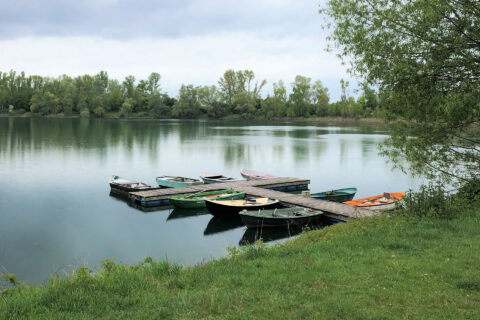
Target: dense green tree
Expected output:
[320,99]
[232,86]
[300,97]
[244,103]
[116,99]
[158,106]
[188,104]
[45,103]
[369,100]
[229,85]
[424,56]
[127,107]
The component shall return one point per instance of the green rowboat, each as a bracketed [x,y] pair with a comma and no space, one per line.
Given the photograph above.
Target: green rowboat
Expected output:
[282,217]
[197,200]
[339,195]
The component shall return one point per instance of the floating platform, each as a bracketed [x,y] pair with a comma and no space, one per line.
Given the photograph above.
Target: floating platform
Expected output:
[276,188]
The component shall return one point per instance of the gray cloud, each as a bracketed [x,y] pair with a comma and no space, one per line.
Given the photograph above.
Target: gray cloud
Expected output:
[147,18]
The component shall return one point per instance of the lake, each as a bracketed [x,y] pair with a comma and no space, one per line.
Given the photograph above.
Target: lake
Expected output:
[57,213]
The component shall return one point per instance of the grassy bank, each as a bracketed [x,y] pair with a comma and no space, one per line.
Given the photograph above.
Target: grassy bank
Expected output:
[382,267]
[116,115]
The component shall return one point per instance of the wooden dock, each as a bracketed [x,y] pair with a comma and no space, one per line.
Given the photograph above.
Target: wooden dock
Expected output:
[262,188]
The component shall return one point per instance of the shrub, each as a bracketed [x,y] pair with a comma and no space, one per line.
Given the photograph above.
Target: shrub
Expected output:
[99,111]
[430,201]
[470,190]
[85,113]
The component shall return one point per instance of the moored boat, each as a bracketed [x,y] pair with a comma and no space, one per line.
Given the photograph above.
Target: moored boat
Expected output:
[231,208]
[124,186]
[176,182]
[338,195]
[197,200]
[215,178]
[282,217]
[255,175]
[382,202]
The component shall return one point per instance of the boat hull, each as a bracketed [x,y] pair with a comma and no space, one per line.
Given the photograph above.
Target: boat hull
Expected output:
[278,219]
[217,180]
[383,202]
[124,186]
[224,211]
[255,175]
[339,195]
[168,183]
[199,201]
[121,189]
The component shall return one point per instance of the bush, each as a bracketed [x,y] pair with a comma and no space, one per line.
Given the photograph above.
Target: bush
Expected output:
[99,112]
[470,190]
[430,201]
[85,113]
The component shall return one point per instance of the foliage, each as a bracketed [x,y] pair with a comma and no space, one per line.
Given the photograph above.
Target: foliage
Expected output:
[85,113]
[127,107]
[99,111]
[188,103]
[424,56]
[238,95]
[470,190]
[431,201]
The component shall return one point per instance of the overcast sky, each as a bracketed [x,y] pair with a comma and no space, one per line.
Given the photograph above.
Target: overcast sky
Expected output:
[186,41]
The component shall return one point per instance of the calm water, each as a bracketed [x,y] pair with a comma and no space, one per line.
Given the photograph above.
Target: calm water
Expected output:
[56,212]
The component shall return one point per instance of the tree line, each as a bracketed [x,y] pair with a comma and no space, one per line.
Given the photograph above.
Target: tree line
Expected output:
[237,95]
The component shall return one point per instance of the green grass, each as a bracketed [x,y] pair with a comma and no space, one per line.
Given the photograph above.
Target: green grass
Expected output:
[377,268]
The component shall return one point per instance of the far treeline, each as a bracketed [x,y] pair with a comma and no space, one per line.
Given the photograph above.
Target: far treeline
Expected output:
[238,95]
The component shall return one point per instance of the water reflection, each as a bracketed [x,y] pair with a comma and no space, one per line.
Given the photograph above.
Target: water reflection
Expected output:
[252,235]
[179,213]
[218,225]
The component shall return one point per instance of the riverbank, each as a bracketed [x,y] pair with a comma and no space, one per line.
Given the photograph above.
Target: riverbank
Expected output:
[391,266]
[339,120]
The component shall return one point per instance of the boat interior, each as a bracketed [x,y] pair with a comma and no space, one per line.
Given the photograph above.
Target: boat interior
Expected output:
[250,201]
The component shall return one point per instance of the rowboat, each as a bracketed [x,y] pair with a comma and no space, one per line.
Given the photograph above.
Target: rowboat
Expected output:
[124,186]
[197,200]
[215,178]
[231,208]
[176,182]
[255,175]
[297,216]
[382,202]
[338,195]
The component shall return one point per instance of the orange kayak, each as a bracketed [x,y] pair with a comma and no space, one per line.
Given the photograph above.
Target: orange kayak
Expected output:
[385,201]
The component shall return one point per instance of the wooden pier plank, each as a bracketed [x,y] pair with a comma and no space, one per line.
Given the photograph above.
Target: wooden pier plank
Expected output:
[159,194]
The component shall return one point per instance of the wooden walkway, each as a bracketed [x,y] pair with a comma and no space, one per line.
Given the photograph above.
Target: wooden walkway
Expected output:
[158,194]
[335,210]
[261,188]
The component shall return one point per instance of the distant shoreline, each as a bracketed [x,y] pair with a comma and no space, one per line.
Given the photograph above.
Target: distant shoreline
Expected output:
[133,116]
